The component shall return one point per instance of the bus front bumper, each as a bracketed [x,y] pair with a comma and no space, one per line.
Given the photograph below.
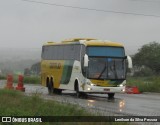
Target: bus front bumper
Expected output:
[98,89]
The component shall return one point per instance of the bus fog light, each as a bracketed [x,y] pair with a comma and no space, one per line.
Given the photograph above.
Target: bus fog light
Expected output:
[123,90]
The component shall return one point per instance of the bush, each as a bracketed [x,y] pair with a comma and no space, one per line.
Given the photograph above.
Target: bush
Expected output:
[145,84]
[28,79]
[144,72]
[2,77]
[32,79]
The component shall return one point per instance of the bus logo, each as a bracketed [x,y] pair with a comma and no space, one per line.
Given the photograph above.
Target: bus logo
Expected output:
[55,65]
[6,119]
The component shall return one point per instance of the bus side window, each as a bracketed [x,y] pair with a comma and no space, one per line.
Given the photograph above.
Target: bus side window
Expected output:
[42,54]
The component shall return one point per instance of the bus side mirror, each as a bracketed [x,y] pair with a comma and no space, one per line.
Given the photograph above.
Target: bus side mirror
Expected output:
[129,59]
[86,60]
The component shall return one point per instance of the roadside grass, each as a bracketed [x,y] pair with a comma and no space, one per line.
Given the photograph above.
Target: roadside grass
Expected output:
[32,79]
[15,103]
[2,77]
[145,84]
[28,79]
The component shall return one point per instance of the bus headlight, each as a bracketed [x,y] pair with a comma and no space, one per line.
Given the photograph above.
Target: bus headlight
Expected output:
[121,85]
[89,89]
[92,84]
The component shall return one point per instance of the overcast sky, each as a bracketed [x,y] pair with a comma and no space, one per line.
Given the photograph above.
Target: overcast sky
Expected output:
[29,25]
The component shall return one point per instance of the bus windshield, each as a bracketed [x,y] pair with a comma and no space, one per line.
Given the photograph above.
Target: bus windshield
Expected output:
[106,63]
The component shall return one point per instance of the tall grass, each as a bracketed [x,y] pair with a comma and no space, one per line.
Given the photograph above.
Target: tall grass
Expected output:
[14,103]
[145,84]
[2,77]
[32,79]
[28,79]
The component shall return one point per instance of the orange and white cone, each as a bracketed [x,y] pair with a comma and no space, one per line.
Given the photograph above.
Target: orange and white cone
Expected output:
[132,90]
[9,83]
[20,84]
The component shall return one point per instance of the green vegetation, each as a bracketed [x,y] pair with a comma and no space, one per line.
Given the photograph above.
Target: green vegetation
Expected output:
[146,68]
[32,79]
[14,103]
[2,77]
[145,84]
[28,79]
[148,58]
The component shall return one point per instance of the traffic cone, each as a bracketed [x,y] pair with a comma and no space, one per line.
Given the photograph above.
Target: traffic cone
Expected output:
[132,90]
[129,90]
[20,83]
[9,84]
[135,90]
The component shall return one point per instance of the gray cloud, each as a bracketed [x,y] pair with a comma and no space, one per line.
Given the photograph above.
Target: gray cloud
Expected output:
[29,25]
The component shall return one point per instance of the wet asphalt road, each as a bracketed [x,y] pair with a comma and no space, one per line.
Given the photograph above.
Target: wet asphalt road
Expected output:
[123,104]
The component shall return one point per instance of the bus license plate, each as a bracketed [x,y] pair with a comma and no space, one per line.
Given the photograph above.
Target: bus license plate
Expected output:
[106,89]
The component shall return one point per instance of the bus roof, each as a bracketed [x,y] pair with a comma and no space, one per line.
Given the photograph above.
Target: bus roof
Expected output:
[86,42]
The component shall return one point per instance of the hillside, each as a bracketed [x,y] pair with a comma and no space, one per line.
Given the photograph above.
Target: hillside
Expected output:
[18,59]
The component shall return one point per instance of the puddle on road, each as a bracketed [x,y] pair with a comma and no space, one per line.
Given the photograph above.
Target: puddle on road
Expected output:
[121,105]
[102,101]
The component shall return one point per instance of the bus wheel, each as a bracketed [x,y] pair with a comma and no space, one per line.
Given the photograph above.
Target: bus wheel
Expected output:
[111,95]
[58,91]
[84,95]
[78,94]
[50,87]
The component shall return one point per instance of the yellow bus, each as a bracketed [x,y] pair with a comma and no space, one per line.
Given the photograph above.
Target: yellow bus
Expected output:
[84,65]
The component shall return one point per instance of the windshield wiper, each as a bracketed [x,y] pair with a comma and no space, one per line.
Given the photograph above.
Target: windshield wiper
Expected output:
[113,69]
[102,71]
[116,75]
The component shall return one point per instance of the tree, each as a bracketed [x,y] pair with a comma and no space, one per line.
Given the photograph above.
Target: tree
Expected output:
[35,68]
[149,56]
[27,72]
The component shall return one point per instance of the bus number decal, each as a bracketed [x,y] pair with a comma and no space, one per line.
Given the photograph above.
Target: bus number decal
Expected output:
[55,65]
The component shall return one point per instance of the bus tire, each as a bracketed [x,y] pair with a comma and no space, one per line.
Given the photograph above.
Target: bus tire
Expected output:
[111,95]
[50,87]
[58,91]
[78,94]
[84,95]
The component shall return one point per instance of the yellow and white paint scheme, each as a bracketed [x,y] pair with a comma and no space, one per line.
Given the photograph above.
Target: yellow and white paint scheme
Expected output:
[66,72]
